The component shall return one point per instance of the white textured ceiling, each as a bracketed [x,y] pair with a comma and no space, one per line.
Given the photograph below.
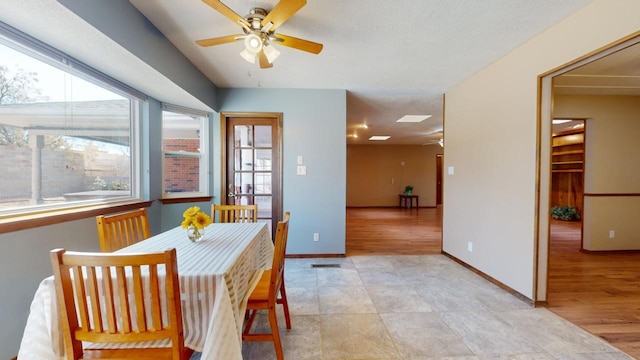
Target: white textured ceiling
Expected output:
[615,74]
[394,58]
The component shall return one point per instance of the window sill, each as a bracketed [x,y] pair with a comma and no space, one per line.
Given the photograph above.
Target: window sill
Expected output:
[34,220]
[178,200]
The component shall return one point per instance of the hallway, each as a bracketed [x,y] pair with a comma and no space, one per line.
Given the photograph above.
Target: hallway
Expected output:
[394,231]
[598,292]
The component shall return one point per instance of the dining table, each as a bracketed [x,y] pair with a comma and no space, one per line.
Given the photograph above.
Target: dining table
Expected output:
[216,276]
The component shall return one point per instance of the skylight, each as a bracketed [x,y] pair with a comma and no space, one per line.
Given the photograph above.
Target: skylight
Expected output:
[379,137]
[413,118]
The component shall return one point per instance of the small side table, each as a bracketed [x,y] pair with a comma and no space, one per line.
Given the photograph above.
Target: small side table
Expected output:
[406,201]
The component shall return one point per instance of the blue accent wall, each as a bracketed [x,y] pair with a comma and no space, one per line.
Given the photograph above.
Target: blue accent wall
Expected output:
[314,127]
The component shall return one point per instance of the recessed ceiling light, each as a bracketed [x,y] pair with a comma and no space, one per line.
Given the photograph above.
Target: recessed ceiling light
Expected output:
[413,118]
[560,121]
[379,137]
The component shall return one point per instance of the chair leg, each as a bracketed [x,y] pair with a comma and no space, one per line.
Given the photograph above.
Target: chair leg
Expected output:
[250,315]
[275,333]
[285,306]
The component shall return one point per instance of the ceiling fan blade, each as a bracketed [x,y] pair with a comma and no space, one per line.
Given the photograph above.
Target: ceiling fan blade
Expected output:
[226,11]
[264,62]
[282,12]
[300,44]
[218,40]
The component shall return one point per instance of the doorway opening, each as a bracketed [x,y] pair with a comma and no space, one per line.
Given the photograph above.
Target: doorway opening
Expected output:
[586,78]
[586,271]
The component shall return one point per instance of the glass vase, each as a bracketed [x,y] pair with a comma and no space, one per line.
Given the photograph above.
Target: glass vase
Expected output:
[194,234]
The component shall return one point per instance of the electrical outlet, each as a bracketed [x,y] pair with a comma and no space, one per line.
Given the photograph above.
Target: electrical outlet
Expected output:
[612,234]
[470,246]
[316,237]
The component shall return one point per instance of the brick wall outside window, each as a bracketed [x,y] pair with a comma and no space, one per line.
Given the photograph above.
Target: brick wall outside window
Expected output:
[182,174]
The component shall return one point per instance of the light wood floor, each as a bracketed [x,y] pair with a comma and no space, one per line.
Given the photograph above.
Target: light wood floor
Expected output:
[393,231]
[598,292]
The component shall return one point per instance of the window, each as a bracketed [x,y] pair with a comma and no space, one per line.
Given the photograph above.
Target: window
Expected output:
[68,133]
[185,170]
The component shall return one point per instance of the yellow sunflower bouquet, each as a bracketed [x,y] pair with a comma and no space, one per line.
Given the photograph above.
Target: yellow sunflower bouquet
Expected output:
[195,221]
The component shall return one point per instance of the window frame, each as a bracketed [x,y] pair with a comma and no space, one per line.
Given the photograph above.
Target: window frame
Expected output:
[203,155]
[20,218]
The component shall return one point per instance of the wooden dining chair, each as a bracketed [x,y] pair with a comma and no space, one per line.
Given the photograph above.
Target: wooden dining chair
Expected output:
[123,229]
[271,291]
[234,213]
[138,302]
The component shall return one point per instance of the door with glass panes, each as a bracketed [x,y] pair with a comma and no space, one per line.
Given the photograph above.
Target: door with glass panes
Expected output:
[253,158]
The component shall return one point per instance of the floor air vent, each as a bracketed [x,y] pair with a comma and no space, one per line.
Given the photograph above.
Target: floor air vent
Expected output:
[322,266]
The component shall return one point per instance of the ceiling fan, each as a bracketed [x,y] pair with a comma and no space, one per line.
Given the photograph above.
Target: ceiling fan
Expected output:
[259,31]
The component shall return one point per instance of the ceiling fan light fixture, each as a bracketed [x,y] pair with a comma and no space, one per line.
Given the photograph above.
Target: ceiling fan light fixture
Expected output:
[259,28]
[271,53]
[267,27]
[253,43]
[250,57]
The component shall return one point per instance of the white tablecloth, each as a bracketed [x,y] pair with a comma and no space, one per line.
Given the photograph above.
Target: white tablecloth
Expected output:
[216,276]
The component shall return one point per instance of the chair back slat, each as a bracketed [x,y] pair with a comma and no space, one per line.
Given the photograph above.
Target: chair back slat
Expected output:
[93,293]
[139,296]
[123,300]
[154,295]
[109,305]
[118,298]
[122,229]
[234,213]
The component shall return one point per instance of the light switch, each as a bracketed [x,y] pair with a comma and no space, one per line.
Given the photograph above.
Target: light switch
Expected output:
[299,159]
[450,170]
[302,170]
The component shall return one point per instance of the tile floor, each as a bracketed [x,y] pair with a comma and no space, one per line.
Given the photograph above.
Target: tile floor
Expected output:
[415,307]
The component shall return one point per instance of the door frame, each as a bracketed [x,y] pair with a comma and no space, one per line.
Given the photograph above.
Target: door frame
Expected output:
[439,178]
[542,230]
[276,211]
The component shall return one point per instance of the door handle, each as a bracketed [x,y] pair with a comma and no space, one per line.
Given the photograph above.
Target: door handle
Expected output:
[231,195]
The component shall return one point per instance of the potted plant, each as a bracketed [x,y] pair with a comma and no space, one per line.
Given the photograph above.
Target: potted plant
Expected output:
[408,189]
[567,213]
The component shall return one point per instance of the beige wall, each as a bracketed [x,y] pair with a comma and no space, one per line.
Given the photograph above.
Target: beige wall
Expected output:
[612,167]
[375,174]
[490,132]
[620,214]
